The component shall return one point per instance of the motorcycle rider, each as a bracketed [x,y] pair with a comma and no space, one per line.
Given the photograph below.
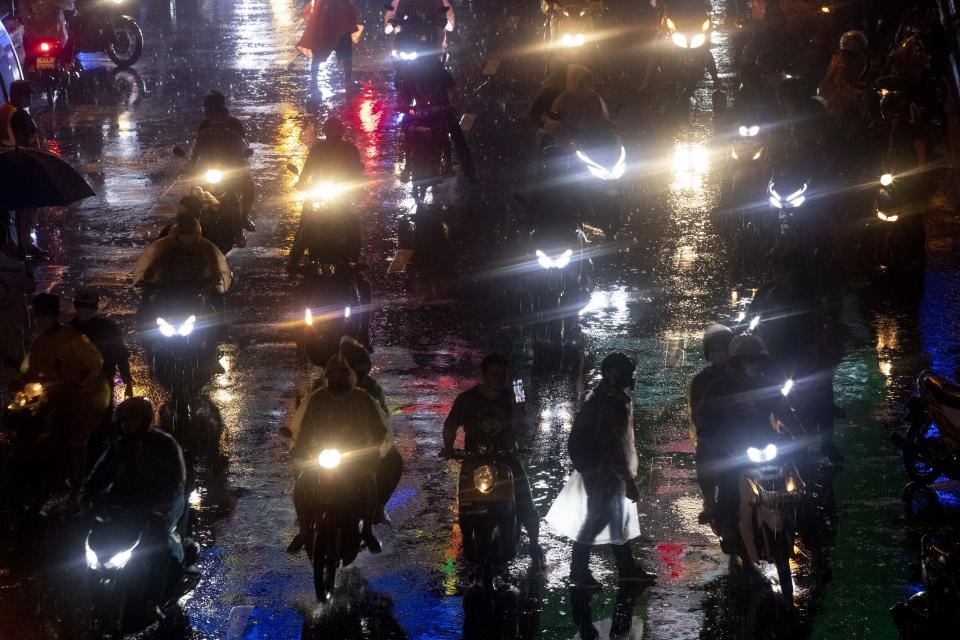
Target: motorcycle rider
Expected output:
[427,82]
[662,39]
[143,471]
[739,408]
[69,366]
[390,469]
[487,413]
[18,129]
[435,12]
[223,137]
[105,335]
[716,351]
[579,107]
[602,449]
[342,415]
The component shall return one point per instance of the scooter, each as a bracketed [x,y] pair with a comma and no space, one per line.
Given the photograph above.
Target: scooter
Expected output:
[570,26]
[46,60]
[220,215]
[771,494]
[178,329]
[333,533]
[332,308]
[933,612]
[601,162]
[931,445]
[690,34]
[130,564]
[487,511]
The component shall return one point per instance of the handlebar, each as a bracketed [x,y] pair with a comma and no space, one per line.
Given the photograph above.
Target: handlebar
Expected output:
[462,454]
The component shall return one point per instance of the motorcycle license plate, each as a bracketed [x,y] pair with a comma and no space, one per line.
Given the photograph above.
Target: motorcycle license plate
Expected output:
[46,62]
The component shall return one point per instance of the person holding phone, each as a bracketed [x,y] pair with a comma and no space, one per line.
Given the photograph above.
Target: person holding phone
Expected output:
[490,413]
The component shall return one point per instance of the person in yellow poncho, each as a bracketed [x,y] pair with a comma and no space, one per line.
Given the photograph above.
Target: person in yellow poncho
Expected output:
[68,365]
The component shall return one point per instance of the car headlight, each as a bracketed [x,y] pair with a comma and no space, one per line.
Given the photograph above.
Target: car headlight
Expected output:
[697,41]
[560,262]
[484,478]
[329,458]
[680,40]
[213,176]
[886,179]
[786,388]
[766,454]
[887,217]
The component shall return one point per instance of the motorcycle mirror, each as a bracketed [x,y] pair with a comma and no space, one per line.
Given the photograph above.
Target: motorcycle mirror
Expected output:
[292,168]
[247,152]
[180,153]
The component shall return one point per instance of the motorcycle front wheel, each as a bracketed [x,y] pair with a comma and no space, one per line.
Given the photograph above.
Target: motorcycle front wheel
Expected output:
[127,43]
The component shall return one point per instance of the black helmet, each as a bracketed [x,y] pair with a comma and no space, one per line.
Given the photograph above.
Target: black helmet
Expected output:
[138,410]
[716,337]
[620,365]
[894,103]
[747,346]
[214,101]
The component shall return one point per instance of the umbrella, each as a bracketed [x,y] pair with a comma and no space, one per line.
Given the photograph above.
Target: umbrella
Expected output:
[30,178]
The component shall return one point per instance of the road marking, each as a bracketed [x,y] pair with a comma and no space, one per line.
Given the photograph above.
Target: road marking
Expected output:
[400,261]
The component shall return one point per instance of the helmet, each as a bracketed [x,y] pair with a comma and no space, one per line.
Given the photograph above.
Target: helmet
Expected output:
[746,346]
[895,103]
[620,365]
[716,337]
[333,128]
[356,355]
[137,410]
[854,41]
[214,101]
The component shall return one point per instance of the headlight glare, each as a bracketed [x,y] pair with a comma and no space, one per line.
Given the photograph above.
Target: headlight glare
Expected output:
[329,458]
[166,329]
[213,176]
[484,478]
[679,40]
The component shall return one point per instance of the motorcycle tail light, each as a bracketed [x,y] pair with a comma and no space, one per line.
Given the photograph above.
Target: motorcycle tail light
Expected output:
[45,47]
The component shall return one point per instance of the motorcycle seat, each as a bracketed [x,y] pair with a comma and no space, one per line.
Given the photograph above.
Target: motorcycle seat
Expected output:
[942,390]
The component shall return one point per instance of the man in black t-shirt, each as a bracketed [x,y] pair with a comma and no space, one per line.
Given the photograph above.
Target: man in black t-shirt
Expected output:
[488,414]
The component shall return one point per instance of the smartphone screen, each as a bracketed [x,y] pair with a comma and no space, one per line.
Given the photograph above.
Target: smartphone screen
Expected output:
[519,395]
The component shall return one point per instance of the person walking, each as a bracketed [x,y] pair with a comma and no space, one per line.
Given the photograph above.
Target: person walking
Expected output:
[598,504]
[332,26]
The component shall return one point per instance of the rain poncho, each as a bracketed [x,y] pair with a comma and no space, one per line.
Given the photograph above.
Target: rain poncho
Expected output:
[168,260]
[44,18]
[327,22]
[593,508]
[580,107]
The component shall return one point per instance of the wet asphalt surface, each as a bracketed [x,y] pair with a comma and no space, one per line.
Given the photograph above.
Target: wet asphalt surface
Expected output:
[667,276]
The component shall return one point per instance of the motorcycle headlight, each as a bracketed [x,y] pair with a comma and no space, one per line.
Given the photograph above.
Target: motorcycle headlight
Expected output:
[597,170]
[329,458]
[187,327]
[389,29]
[92,561]
[484,478]
[120,560]
[887,218]
[758,154]
[706,25]
[166,329]
[886,179]
[347,311]
[749,132]
[766,454]
[754,323]
[697,41]
[213,176]
[679,40]
[559,262]
[786,388]
[308,318]
[670,25]
[408,55]
[791,484]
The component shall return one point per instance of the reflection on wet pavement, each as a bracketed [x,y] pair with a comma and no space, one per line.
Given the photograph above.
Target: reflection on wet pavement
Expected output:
[655,296]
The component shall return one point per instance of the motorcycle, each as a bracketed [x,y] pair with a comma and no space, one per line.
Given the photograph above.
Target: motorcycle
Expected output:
[27,448]
[602,154]
[690,34]
[933,612]
[102,26]
[570,25]
[220,215]
[896,236]
[931,445]
[178,329]
[332,308]
[770,495]
[333,532]
[747,168]
[426,143]
[487,512]
[129,563]
[46,59]
[413,38]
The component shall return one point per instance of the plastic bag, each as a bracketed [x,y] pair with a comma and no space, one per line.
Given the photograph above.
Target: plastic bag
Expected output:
[569,512]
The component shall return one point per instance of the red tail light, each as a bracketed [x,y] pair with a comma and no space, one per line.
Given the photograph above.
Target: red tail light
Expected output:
[45,47]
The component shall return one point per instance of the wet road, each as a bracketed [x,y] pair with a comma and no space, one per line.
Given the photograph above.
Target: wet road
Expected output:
[671,276]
